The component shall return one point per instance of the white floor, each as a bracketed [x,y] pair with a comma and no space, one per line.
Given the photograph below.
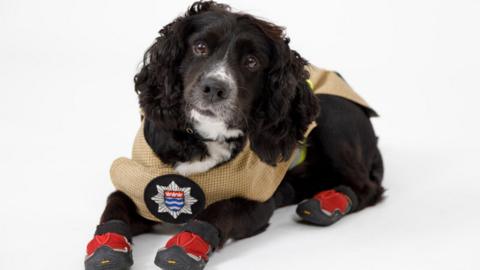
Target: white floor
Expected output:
[67,109]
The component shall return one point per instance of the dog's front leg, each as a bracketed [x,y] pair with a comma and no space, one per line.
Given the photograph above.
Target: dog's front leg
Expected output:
[111,247]
[229,219]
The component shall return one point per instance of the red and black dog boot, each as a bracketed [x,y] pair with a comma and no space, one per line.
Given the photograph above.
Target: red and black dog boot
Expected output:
[110,248]
[189,249]
[327,207]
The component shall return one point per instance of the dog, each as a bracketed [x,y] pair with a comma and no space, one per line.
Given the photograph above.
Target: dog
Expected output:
[215,84]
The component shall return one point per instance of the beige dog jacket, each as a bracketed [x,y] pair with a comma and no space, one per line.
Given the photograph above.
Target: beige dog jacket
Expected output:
[245,176]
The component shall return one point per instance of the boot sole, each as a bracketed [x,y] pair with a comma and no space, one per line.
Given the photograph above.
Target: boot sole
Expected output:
[105,258]
[175,258]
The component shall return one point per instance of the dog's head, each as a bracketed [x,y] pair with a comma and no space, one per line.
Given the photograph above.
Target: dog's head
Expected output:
[229,69]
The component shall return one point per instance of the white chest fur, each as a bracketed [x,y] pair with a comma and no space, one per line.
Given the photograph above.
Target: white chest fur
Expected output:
[218,152]
[218,149]
[212,128]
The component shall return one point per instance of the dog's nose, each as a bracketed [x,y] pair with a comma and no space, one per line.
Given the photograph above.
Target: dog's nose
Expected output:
[214,90]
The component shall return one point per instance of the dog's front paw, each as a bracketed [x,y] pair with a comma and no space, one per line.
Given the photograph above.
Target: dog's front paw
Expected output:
[109,251]
[184,251]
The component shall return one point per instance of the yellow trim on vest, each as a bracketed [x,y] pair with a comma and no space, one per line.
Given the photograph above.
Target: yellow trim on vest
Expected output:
[301,153]
[300,156]
[310,84]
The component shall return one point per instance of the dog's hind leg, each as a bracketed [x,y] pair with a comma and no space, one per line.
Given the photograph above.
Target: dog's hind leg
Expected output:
[343,169]
[229,219]
[111,246]
[351,187]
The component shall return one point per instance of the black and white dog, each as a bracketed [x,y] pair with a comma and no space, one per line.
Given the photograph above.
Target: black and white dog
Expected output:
[213,80]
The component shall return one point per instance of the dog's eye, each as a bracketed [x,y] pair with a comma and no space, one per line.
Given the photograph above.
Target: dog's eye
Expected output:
[251,62]
[200,48]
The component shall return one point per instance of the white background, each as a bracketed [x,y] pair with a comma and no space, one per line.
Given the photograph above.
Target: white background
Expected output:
[68,108]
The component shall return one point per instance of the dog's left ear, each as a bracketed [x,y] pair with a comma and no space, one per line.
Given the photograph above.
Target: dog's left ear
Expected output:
[287,105]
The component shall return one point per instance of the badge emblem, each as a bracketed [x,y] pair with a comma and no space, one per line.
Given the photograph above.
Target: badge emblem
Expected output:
[174,198]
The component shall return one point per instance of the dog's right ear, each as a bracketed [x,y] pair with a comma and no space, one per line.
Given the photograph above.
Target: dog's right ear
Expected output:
[159,84]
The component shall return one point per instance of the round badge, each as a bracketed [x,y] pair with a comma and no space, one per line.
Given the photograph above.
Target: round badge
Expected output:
[174,198]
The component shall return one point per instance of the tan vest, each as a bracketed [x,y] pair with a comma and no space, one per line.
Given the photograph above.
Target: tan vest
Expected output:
[245,176]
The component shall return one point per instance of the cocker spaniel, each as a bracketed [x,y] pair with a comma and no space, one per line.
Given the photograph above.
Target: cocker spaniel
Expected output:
[219,86]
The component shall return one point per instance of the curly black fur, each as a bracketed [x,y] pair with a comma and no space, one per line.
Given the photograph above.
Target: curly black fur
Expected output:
[281,113]
[158,84]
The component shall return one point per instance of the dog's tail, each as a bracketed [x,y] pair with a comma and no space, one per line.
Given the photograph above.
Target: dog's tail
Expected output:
[376,172]
[376,175]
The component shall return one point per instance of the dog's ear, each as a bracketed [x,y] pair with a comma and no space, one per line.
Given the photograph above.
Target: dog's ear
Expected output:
[159,84]
[286,106]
